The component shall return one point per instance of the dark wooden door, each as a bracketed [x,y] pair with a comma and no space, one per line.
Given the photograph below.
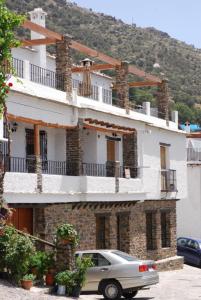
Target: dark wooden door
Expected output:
[110,150]
[22,219]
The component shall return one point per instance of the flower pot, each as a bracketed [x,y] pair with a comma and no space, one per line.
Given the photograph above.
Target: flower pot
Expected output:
[49,279]
[26,284]
[65,241]
[51,270]
[76,291]
[61,290]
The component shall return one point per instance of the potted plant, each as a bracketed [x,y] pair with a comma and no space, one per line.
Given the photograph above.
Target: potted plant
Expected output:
[66,233]
[39,263]
[50,263]
[79,275]
[27,281]
[62,279]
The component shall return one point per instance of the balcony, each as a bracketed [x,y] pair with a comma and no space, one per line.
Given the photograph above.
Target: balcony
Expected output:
[194,154]
[168,181]
[28,165]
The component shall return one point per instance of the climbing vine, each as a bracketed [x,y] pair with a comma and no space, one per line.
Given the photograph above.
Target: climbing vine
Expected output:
[9,21]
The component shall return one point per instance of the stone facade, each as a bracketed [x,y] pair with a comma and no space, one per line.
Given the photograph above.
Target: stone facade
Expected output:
[129,236]
[64,65]
[130,158]
[74,150]
[163,100]
[121,85]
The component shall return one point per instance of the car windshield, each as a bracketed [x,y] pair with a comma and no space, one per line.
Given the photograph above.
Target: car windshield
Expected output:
[124,255]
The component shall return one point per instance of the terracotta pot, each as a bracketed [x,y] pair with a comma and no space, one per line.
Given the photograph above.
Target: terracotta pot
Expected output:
[65,242]
[26,284]
[49,279]
[51,270]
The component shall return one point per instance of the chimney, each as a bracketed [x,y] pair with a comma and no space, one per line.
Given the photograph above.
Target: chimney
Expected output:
[38,16]
[187,127]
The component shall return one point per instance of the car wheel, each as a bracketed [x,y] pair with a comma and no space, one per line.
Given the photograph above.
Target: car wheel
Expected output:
[130,295]
[111,290]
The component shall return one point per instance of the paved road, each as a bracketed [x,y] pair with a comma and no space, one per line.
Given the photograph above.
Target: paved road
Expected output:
[174,285]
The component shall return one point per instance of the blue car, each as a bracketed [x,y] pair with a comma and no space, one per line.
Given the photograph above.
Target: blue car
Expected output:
[190,249]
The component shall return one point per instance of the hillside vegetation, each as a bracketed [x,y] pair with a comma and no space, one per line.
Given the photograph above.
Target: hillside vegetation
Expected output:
[180,62]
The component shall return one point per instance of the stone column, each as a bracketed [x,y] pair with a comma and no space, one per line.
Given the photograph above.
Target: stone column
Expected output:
[163,100]
[130,157]
[65,257]
[64,65]
[121,85]
[74,150]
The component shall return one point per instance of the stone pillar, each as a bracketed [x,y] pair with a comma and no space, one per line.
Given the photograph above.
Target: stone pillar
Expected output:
[163,100]
[130,157]
[64,65]
[65,257]
[112,222]
[121,85]
[74,151]
[117,175]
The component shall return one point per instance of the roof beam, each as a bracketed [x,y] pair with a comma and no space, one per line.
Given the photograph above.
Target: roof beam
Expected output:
[42,30]
[141,73]
[143,83]
[12,117]
[36,42]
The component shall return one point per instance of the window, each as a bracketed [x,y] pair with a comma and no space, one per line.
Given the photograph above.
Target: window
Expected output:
[101,232]
[124,255]
[193,244]
[165,229]
[151,230]
[97,259]
[181,242]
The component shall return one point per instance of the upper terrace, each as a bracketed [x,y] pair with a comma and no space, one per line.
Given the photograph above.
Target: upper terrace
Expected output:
[63,75]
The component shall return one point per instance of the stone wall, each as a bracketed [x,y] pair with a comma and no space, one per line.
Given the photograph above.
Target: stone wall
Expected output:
[121,85]
[74,151]
[64,65]
[130,158]
[83,216]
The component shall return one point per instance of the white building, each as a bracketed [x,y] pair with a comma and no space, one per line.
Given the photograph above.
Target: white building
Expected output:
[116,176]
[189,209]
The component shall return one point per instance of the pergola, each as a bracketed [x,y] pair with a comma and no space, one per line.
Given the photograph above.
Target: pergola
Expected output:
[109,62]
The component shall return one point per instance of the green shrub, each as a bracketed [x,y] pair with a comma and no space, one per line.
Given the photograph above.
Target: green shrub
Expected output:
[68,232]
[16,250]
[42,261]
[29,277]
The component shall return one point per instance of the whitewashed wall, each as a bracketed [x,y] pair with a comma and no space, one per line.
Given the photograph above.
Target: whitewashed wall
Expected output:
[189,208]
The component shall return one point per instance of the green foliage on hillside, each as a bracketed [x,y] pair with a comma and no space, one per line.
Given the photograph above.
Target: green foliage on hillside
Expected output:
[180,62]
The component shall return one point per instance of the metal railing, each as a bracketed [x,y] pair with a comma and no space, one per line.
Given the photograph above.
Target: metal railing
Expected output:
[107,96]
[108,170]
[168,181]
[16,67]
[88,91]
[193,154]
[46,77]
[18,164]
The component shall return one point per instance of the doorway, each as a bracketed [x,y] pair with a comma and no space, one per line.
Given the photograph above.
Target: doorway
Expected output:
[22,219]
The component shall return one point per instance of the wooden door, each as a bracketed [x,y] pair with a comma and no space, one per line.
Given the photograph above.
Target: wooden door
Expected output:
[110,150]
[163,157]
[163,168]
[22,219]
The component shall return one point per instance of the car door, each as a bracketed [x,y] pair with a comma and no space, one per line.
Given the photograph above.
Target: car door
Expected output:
[193,252]
[95,274]
[182,247]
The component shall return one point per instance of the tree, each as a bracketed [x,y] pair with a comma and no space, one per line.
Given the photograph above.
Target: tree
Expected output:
[9,21]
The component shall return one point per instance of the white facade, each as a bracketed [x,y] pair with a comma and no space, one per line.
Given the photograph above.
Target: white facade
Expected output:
[35,97]
[189,209]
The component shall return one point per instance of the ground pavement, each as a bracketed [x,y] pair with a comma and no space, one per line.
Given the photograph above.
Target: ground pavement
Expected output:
[174,285]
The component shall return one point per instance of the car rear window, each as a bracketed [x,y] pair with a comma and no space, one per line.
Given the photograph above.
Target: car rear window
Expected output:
[124,255]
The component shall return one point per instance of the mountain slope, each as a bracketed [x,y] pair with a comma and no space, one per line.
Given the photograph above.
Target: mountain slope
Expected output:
[143,47]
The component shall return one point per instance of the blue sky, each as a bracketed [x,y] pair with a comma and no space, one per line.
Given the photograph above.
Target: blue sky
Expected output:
[181,19]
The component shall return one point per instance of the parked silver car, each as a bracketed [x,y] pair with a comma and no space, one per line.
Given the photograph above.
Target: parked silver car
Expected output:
[117,274]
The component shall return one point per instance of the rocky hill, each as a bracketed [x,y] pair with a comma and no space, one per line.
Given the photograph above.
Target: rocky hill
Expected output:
[141,46]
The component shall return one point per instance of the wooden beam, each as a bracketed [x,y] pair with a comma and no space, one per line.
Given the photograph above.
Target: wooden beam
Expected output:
[93,127]
[36,140]
[46,41]
[42,30]
[143,74]
[94,53]
[93,68]
[143,84]
[37,122]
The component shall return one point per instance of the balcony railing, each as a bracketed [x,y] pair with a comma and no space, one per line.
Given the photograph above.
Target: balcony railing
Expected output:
[193,154]
[46,77]
[16,68]
[89,91]
[168,181]
[108,170]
